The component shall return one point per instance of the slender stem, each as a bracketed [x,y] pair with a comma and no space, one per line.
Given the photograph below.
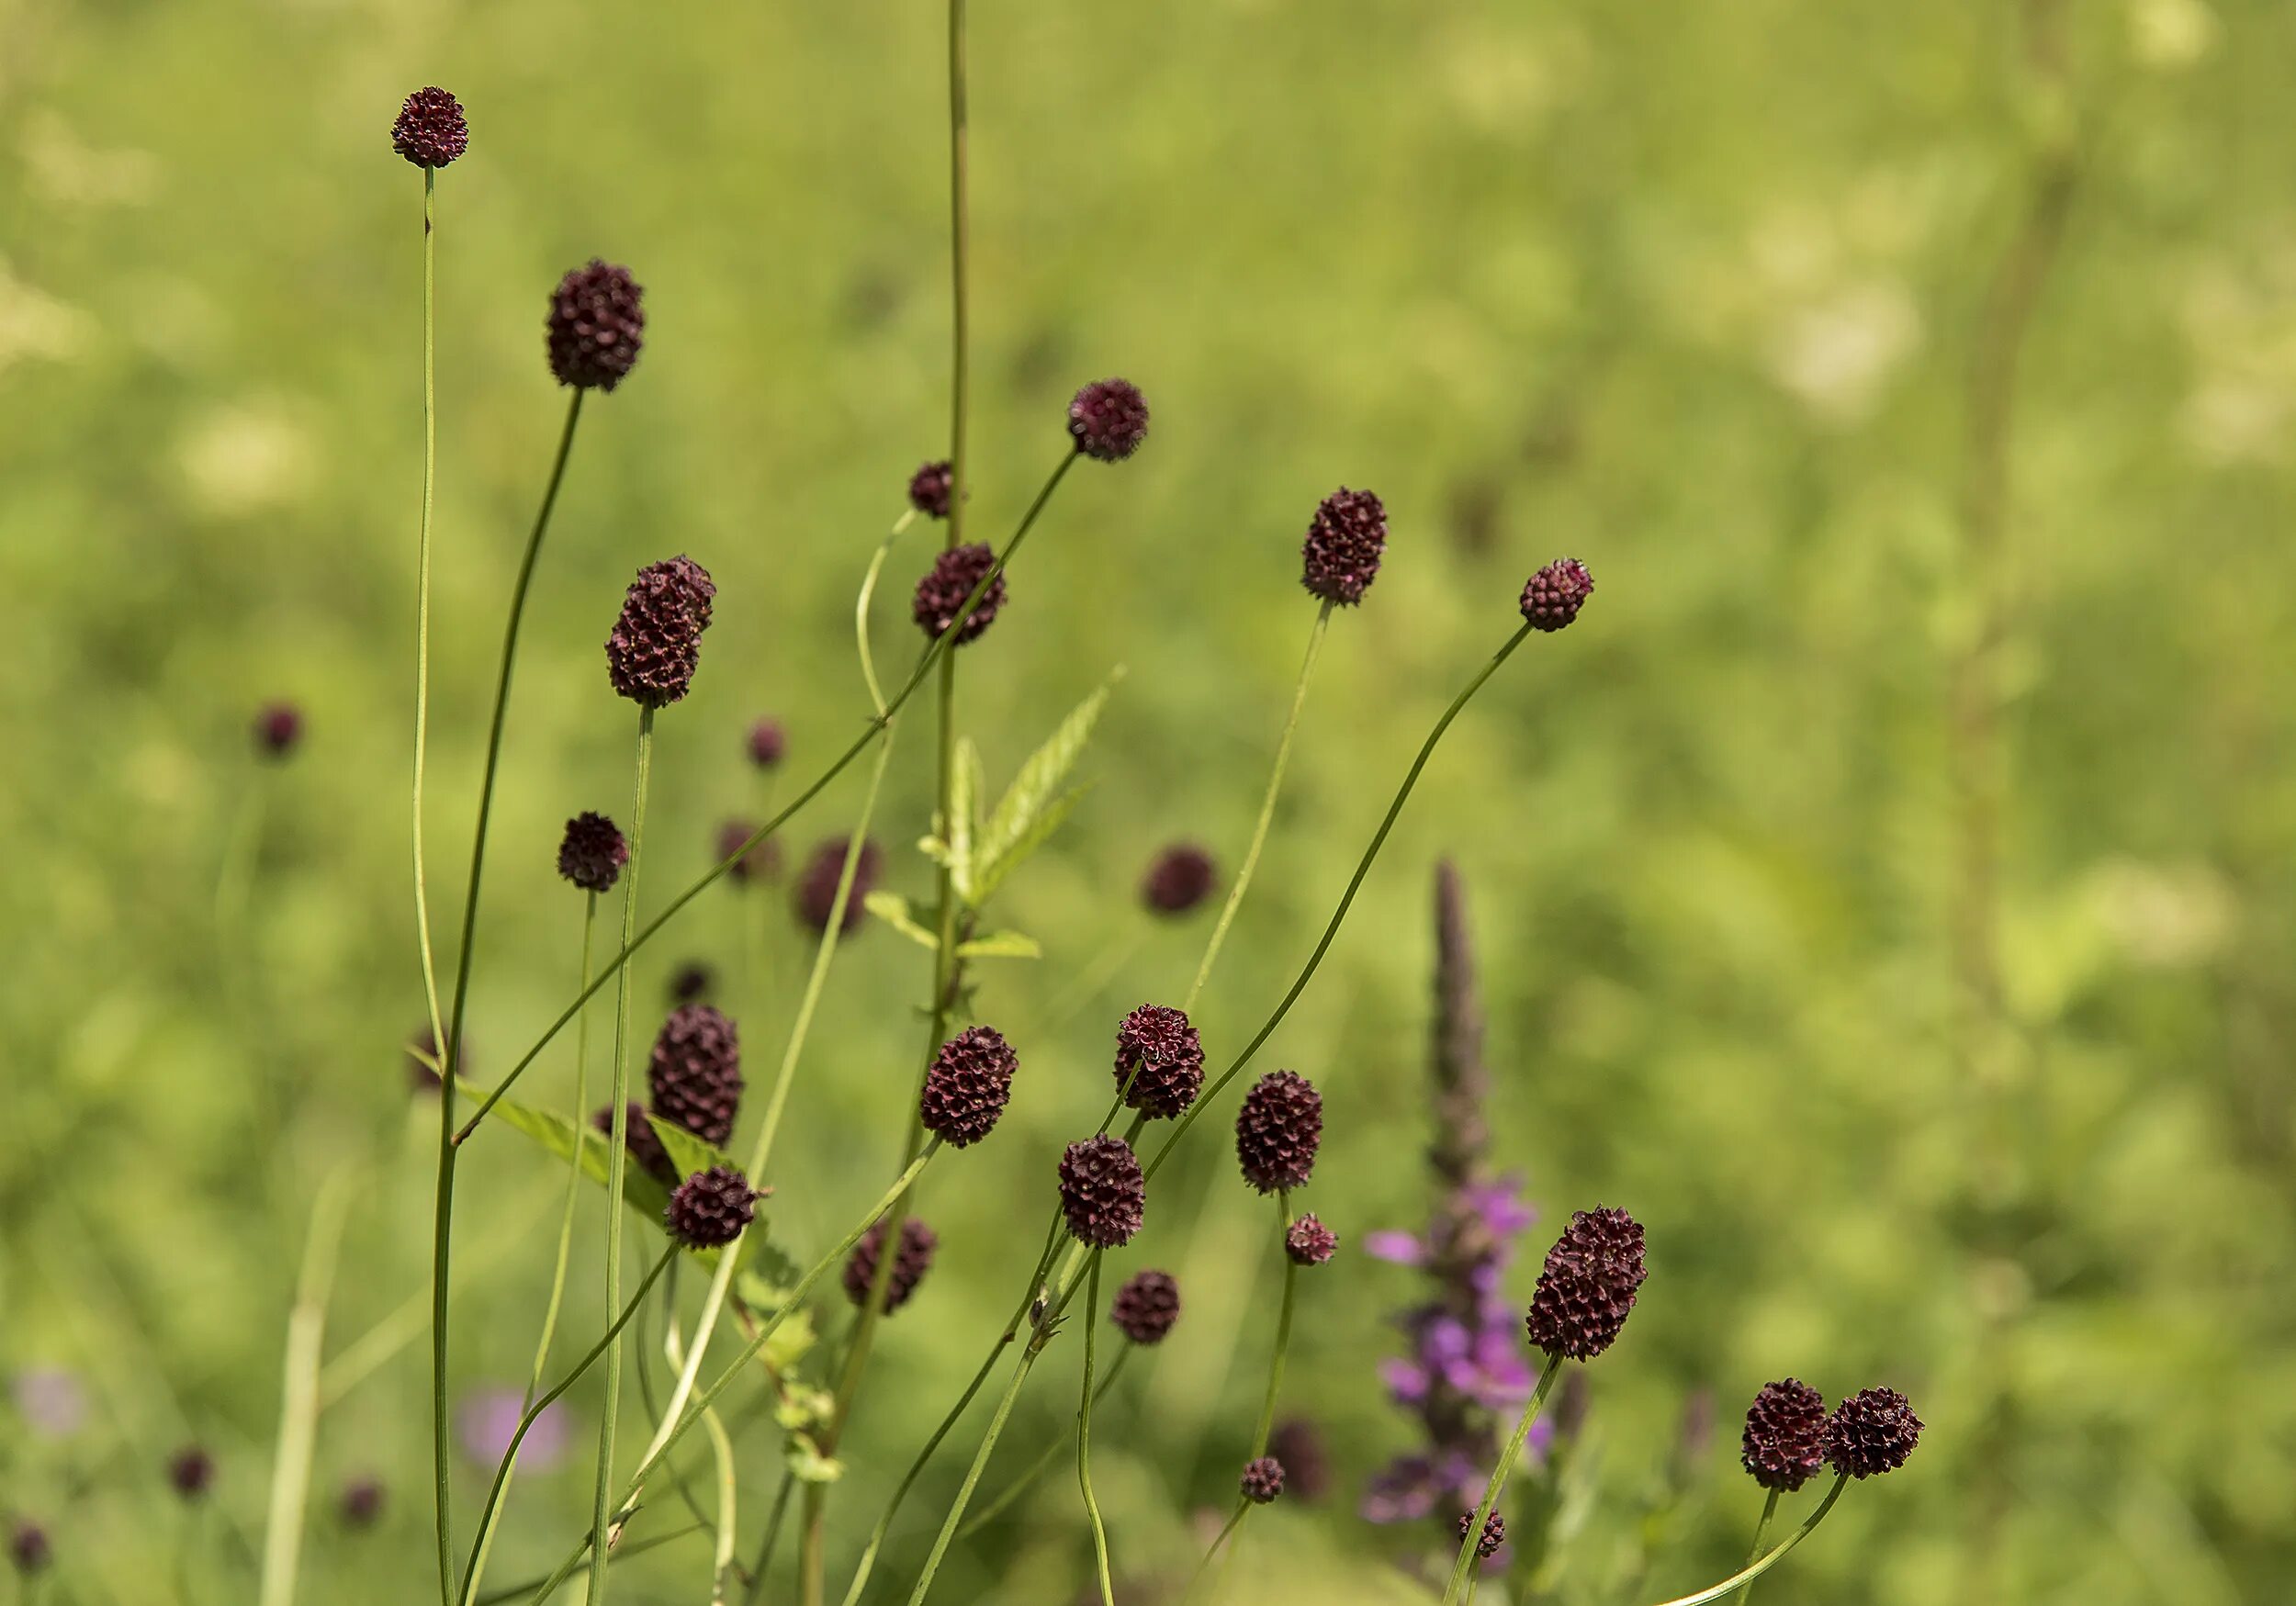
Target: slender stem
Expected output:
[1052,1452]
[756,1596]
[870,733]
[617,1160]
[1466,1559]
[1218,1540]
[1754,1569]
[1084,1436]
[1268,810]
[960,300]
[298,1394]
[861,612]
[1283,1327]
[1761,1527]
[722,1450]
[972,1473]
[450,1049]
[525,1590]
[423,602]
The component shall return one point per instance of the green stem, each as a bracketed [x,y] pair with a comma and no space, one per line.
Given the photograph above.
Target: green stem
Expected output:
[422,605]
[755,1595]
[443,1218]
[617,1160]
[525,1591]
[972,1473]
[1466,1558]
[1761,1527]
[1267,810]
[298,1394]
[861,612]
[1754,1569]
[1052,1452]
[1283,1327]
[1084,1436]
[1218,1540]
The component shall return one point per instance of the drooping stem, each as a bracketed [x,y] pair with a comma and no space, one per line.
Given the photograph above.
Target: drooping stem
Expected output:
[1499,1474]
[1266,1424]
[1268,810]
[1761,1527]
[617,1160]
[450,1050]
[423,602]
[1019,1485]
[1754,1569]
[1084,1434]
[299,1394]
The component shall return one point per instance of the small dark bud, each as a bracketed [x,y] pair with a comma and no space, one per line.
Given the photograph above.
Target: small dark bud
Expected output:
[1786,1433]
[1871,1432]
[430,131]
[692,982]
[694,1072]
[1278,1130]
[656,645]
[817,886]
[1262,1479]
[910,1263]
[940,594]
[1588,1285]
[1309,1242]
[1146,1307]
[1159,1062]
[767,742]
[28,1548]
[929,488]
[762,862]
[1345,540]
[362,1502]
[640,1139]
[1178,879]
[592,853]
[191,1472]
[1556,593]
[710,1207]
[1494,1534]
[1109,418]
[1103,1194]
[596,326]
[966,1086]
[278,730]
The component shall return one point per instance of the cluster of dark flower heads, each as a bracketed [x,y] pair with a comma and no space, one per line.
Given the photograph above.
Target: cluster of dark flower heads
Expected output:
[430,131]
[911,1260]
[1159,1062]
[955,575]
[596,326]
[1104,1195]
[762,862]
[1109,419]
[929,488]
[1309,1242]
[967,1085]
[1346,541]
[592,853]
[694,1072]
[1588,1285]
[1178,880]
[1146,1307]
[1262,1479]
[1278,1130]
[1494,1537]
[815,895]
[656,645]
[710,1207]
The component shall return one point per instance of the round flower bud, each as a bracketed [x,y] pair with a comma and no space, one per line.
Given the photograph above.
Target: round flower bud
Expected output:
[656,645]
[1262,1479]
[1109,418]
[1103,1194]
[1146,1307]
[592,853]
[966,1086]
[1556,593]
[816,884]
[940,594]
[191,1472]
[596,326]
[1785,1430]
[694,1072]
[278,729]
[766,742]
[762,862]
[710,1207]
[1178,879]
[430,131]
[1159,1062]
[1345,539]
[691,982]
[1871,1432]
[640,1139]
[910,1263]
[1587,1287]
[362,1502]
[1309,1242]
[929,488]
[1277,1129]
[1493,1536]
[28,1547]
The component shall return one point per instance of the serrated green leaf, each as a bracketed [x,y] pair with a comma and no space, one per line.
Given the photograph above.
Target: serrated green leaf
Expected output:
[687,1153]
[1048,820]
[588,1147]
[1025,816]
[965,792]
[893,910]
[1000,945]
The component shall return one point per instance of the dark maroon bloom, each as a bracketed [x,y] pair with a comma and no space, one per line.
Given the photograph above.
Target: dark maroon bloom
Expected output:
[691,982]
[762,862]
[28,1548]
[656,645]
[966,1086]
[1145,1307]
[1493,1536]
[910,1263]
[362,1502]
[592,853]
[1556,593]
[1103,1194]
[929,488]
[1588,1285]
[1109,418]
[1178,879]
[1871,1432]
[1345,539]
[1262,1479]
[817,886]
[767,742]
[643,1142]
[1159,1062]
[710,1207]
[954,576]
[1277,1129]
[1309,1242]
[278,729]
[1298,1444]
[191,1472]
[695,1072]
[430,131]
[1785,1431]
[596,326]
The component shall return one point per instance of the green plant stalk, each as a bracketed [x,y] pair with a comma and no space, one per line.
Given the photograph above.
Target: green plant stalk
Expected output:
[1761,1527]
[422,600]
[442,1220]
[1052,1452]
[617,1161]
[756,1593]
[298,1394]
[1754,1569]
[871,732]
[1266,1424]
[525,1590]
[721,1453]
[1464,1561]
[1268,811]
[972,1473]
[1219,1539]
[1084,1436]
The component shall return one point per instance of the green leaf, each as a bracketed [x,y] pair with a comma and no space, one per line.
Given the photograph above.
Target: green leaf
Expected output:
[1048,820]
[1035,803]
[587,1146]
[809,1465]
[687,1153]
[965,791]
[1001,944]
[893,910]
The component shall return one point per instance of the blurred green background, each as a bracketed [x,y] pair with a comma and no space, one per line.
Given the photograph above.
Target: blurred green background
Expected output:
[1711,297]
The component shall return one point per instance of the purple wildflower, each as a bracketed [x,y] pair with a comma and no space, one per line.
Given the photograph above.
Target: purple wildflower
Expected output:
[487,1420]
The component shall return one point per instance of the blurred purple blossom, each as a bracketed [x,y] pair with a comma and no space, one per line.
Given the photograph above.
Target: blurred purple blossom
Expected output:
[51,1401]
[488,1419]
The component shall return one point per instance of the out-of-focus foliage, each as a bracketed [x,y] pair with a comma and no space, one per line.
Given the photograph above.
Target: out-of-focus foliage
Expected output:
[1691,292]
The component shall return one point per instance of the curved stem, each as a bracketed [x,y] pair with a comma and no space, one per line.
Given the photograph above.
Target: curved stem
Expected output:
[1754,1569]
[1218,1540]
[972,1473]
[298,1403]
[1052,1452]
[861,612]
[524,1591]
[1267,810]
[450,1049]
[617,1161]
[422,605]
[1275,1366]
[1084,1437]
[756,1594]
[1761,1527]
[1466,1558]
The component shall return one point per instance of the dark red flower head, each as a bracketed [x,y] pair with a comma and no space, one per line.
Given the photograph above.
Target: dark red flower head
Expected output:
[966,1086]
[762,862]
[1109,418]
[816,884]
[191,1472]
[1872,1432]
[592,853]
[596,326]
[1159,1060]
[656,645]
[1146,1307]
[691,982]
[955,574]
[1494,1537]
[910,1263]
[710,1207]
[1262,1479]
[694,1072]
[1785,1430]
[1103,1194]
[640,1139]
[1309,1242]
[362,1501]
[430,131]
[766,742]
[929,488]
[1298,1444]
[28,1548]
[278,729]
[1556,593]
[1345,539]
[1278,1130]
[1587,1287]
[1178,879]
